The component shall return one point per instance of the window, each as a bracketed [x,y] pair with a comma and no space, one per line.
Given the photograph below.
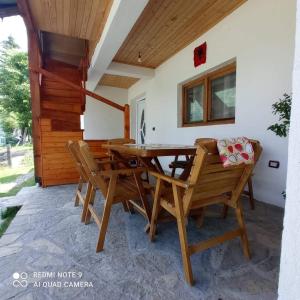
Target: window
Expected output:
[210,99]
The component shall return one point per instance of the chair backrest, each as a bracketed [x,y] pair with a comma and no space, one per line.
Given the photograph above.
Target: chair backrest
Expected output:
[71,146]
[209,179]
[91,168]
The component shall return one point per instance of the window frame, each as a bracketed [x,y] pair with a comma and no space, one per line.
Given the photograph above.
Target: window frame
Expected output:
[207,97]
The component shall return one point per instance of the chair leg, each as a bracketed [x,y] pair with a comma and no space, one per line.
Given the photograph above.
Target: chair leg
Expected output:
[143,196]
[86,201]
[244,237]
[173,172]
[90,201]
[250,189]
[183,236]
[79,189]
[155,209]
[125,206]
[225,211]
[106,212]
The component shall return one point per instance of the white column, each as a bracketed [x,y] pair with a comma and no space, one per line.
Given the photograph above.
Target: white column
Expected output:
[289,277]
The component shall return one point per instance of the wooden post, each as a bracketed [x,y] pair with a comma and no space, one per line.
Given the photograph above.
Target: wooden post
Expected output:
[8,152]
[127,121]
[34,60]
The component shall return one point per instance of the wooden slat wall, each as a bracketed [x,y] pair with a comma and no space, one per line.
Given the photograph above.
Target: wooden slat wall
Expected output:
[58,167]
[61,108]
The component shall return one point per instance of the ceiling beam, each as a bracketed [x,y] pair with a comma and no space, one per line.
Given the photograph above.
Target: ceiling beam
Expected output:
[129,70]
[122,17]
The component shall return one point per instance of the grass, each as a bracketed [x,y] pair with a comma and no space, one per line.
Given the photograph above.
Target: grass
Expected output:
[6,217]
[11,174]
[16,189]
[16,149]
[8,174]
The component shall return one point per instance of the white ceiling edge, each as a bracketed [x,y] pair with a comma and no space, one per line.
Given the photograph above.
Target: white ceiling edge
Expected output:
[121,69]
[122,17]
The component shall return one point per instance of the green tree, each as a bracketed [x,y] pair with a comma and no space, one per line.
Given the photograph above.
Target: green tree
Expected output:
[15,110]
[282,109]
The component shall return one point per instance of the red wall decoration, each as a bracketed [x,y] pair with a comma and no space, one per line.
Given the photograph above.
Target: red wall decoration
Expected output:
[200,55]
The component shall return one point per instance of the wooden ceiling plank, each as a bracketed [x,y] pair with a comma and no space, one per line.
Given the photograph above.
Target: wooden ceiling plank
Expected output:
[153,7]
[173,29]
[159,39]
[66,16]
[86,18]
[146,29]
[161,29]
[174,40]
[117,81]
[72,19]
[46,22]
[212,17]
[192,36]
[167,39]
[53,15]
[79,17]
[60,16]
[92,18]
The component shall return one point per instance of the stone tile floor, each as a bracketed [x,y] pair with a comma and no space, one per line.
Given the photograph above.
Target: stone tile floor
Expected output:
[47,236]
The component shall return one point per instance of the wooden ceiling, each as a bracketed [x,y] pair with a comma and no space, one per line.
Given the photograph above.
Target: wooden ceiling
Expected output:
[167,26]
[123,82]
[83,19]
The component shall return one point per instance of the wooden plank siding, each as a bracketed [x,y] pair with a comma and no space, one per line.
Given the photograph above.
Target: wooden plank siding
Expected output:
[58,167]
[61,107]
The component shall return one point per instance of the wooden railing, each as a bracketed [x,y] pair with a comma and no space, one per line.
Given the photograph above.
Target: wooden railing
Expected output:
[125,109]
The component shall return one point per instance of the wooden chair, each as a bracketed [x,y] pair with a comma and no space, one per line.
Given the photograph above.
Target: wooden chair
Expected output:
[209,183]
[83,179]
[182,164]
[115,188]
[73,148]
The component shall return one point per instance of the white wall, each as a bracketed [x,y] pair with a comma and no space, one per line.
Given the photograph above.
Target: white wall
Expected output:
[260,35]
[289,278]
[102,121]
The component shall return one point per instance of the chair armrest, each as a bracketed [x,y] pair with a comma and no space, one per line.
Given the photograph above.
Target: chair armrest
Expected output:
[170,179]
[132,171]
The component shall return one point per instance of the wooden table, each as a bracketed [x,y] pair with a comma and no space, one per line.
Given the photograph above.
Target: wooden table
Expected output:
[148,153]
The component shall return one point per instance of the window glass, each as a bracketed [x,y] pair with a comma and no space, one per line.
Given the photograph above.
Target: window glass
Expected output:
[223,97]
[194,105]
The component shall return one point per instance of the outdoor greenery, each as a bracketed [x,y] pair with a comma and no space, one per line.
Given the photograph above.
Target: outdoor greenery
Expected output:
[14,191]
[282,108]
[15,112]
[11,174]
[6,217]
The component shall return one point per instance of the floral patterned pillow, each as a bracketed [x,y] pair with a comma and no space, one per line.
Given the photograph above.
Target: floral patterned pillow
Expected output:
[235,151]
